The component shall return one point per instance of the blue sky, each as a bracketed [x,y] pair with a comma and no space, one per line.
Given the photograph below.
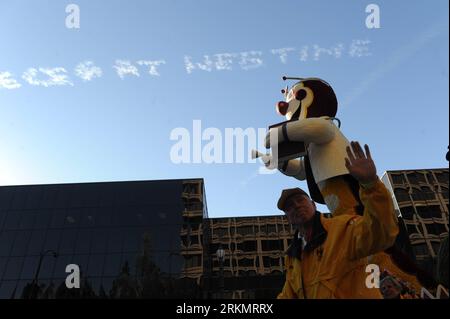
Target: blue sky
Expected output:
[393,96]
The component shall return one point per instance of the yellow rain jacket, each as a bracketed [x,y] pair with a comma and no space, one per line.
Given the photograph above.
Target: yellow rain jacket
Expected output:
[336,266]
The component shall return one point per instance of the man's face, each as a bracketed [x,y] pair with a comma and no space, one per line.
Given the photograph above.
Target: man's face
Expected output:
[299,209]
[389,290]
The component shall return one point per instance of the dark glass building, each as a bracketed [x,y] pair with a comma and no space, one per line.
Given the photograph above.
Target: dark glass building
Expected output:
[129,239]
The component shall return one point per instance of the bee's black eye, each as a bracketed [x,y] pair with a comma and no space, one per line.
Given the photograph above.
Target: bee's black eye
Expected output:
[300,94]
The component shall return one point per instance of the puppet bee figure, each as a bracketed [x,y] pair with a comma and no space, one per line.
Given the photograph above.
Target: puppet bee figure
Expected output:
[309,108]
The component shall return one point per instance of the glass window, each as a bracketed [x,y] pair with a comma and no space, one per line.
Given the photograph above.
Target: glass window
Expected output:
[184,240]
[72,218]
[95,284]
[75,198]
[397,178]
[435,246]
[42,219]
[2,218]
[421,177]
[442,177]
[420,249]
[49,288]
[82,261]
[49,196]
[13,268]
[112,265]
[194,240]
[30,267]
[115,241]
[47,266]
[245,230]
[411,229]
[267,261]
[6,242]
[12,220]
[246,262]
[444,193]
[95,267]
[27,220]
[424,211]
[21,243]
[62,197]
[132,240]
[24,289]
[20,197]
[83,244]
[136,239]
[52,239]
[7,289]
[271,229]
[401,195]
[175,265]
[124,216]
[407,212]
[130,259]
[68,241]
[106,195]
[412,177]
[104,216]
[249,246]
[58,216]
[3,262]
[6,195]
[274,262]
[61,263]
[34,197]
[89,195]
[164,237]
[36,242]
[99,239]
[88,217]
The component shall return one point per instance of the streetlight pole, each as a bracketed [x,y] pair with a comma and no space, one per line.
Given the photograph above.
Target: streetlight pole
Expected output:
[34,283]
[221,255]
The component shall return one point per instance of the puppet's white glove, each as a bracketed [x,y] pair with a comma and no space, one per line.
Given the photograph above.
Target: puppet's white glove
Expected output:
[273,137]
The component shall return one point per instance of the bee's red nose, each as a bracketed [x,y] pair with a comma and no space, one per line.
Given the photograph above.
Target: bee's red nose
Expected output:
[282,107]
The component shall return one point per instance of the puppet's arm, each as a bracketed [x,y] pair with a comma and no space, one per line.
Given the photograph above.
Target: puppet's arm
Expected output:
[312,130]
[294,168]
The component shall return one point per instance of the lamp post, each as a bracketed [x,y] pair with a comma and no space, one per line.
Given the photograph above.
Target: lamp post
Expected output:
[34,283]
[221,255]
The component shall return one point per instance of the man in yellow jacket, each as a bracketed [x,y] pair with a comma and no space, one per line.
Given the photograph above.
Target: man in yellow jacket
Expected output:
[328,257]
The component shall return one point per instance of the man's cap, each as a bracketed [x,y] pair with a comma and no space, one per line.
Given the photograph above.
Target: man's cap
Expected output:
[286,193]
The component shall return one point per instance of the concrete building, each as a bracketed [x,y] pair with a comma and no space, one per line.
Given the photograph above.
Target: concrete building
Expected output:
[421,201]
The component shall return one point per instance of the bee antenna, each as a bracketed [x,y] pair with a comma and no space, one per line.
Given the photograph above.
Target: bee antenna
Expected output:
[292,78]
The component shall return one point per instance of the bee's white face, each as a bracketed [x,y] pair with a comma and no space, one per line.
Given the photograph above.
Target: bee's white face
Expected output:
[297,97]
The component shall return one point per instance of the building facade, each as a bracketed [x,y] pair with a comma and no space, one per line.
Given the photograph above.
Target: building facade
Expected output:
[253,264]
[421,201]
[128,239]
[153,239]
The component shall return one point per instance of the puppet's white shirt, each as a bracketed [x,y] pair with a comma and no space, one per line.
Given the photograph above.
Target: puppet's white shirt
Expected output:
[326,146]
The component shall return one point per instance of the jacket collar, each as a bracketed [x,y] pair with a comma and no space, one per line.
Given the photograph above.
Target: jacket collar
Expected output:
[319,234]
